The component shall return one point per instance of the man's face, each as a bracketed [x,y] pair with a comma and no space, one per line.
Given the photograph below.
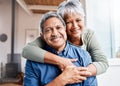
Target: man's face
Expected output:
[54,33]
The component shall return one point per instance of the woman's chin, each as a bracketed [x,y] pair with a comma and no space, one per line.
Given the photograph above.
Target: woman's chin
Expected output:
[75,35]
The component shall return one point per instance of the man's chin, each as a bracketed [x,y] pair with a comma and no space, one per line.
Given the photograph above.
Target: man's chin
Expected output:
[57,45]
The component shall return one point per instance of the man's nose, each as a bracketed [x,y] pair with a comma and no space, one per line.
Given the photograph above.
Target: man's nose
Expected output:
[54,32]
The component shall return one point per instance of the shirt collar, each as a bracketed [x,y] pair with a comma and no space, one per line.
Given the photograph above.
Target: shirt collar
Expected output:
[63,52]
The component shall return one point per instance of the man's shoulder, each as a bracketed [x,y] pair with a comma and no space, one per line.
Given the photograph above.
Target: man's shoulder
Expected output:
[81,53]
[30,62]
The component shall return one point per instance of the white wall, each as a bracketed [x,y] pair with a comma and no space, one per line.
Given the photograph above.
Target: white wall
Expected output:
[23,21]
[112,76]
[5,27]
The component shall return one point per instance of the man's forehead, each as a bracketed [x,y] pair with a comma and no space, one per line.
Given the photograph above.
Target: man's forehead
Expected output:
[53,22]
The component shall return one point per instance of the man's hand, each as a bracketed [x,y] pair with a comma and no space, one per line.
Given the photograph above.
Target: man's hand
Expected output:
[72,74]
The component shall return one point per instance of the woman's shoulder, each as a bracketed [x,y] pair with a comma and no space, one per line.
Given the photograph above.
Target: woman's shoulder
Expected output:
[87,33]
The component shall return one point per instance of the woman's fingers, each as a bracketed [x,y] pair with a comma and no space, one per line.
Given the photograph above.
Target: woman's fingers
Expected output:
[66,62]
[84,71]
[73,60]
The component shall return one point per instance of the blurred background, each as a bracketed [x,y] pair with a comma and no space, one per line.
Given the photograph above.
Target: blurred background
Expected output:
[19,24]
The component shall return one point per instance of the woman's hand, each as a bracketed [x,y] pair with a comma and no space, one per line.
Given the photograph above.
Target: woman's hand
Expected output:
[92,69]
[64,62]
[57,60]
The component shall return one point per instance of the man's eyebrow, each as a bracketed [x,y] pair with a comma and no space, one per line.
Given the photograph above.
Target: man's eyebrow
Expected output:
[47,27]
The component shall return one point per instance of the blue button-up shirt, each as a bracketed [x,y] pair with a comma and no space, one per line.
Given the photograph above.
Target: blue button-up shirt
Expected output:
[39,74]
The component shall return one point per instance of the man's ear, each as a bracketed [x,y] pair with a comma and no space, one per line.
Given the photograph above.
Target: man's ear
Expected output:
[41,35]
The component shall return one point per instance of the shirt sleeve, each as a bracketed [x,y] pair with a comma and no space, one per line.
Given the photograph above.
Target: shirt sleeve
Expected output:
[86,58]
[90,81]
[33,51]
[98,57]
[30,78]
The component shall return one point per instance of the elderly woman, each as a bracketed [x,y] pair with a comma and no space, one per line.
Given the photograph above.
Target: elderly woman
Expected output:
[73,15]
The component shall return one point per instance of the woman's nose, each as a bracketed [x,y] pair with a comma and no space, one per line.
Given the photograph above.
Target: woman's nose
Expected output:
[75,25]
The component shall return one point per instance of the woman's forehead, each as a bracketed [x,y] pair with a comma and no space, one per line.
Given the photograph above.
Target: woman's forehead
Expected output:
[71,15]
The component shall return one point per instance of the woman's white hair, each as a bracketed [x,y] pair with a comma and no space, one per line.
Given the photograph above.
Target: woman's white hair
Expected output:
[69,7]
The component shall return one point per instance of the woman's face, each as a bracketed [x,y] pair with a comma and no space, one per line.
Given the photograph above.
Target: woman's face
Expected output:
[74,25]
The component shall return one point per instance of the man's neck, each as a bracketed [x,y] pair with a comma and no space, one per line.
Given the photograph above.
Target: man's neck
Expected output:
[61,48]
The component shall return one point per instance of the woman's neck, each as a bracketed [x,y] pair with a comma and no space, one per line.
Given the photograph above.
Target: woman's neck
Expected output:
[76,41]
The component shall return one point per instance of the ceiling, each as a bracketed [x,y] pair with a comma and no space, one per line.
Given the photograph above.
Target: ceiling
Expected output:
[39,6]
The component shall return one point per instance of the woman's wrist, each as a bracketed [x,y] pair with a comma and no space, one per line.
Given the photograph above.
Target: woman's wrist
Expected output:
[52,58]
[57,60]
[91,68]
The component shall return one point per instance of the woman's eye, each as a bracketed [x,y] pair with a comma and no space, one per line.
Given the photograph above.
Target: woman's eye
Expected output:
[79,20]
[67,22]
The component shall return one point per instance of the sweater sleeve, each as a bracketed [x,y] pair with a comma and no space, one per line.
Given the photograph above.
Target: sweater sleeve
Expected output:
[33,50]
[98,57]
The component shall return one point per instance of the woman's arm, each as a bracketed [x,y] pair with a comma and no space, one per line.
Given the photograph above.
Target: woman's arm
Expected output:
[33,51]
[57,60]
[98,57]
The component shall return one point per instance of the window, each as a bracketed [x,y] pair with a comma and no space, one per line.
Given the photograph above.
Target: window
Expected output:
[103,16]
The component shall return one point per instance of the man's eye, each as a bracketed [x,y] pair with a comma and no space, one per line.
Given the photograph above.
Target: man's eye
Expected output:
[47,30]
[59,28]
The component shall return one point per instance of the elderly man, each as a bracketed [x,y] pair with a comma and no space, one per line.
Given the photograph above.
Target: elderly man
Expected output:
[54,34]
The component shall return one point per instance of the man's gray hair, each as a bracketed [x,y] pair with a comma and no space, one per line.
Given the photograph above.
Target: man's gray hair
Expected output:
[50,15]
[70,7]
